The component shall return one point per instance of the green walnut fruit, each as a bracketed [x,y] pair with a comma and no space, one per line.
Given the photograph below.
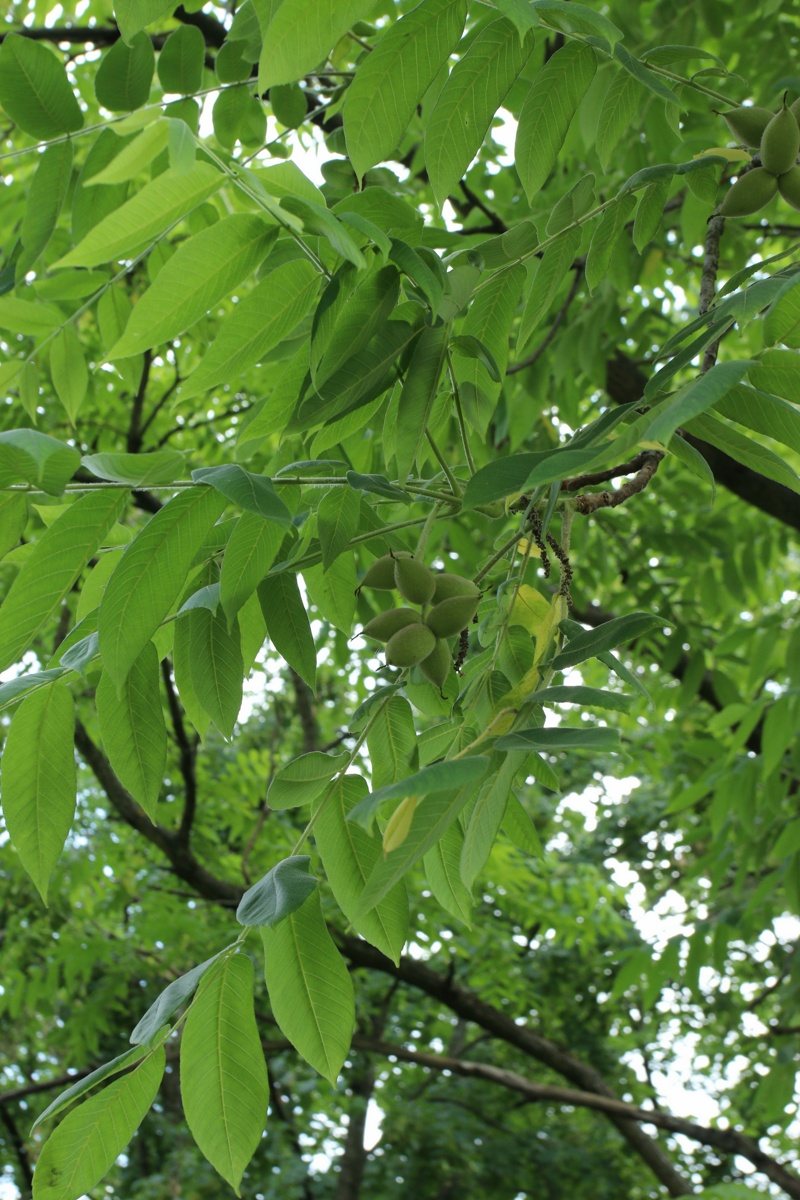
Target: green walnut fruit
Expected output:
[436,667]
[747,124]
[750,193]
[453,585]
[789,187]
[451,616]
[410,646]
[794,109]
[413,580]
[386,624]
[780,142]
[380,575]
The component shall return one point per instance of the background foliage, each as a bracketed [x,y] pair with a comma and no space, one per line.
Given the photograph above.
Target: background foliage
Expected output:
[556,957]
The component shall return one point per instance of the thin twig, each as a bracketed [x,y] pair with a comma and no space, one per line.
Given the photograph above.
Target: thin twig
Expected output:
[591,502]
[708,282]
[558,321]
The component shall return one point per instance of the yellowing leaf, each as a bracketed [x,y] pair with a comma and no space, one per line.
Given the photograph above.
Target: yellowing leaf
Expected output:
[399,824]
[530,609]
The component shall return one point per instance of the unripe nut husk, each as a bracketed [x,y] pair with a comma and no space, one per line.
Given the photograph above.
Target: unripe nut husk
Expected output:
[386,624]
[413,580]
[380,575]
[409,646]
[453,615]
[780,143]
[789,187]
[750,193]
[747,124]
[436,667]
[453,585]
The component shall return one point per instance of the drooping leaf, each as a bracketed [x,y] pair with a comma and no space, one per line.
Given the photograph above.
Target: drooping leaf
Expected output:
[551,271]
[608,636]
[151,575]
[446,776]
[133,730]
[133,15]
[391,742]
[280,892]
[304,779]
[486,817]
[252,493]
[249,554]
[180,62]
[337,522]
[332,592]
[474,91]
[349,856]
[287,624]
[141,219]
[391,81]
[36,458]
[45,201]
[216,666]
[34,89]
[136,470]
[744,450]
[605,237]
[39,780]
[202,271]
[90,1081]
[300,35]
[88,1141]
[548,110]
[168,1002]
[619,104]
[561,738]
[441,865]
[489,320]
[68,370]
[310,989]
[123,79]
[56,561]
[418,394]
[223,1074]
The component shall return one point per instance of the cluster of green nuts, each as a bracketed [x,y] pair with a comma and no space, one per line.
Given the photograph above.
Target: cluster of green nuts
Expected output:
[418,636]
[777,136]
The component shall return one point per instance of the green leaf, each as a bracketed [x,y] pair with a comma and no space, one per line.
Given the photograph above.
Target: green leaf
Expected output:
[649,212]
[337,522]
[391,81]
[34,89]
[639,71]
[550,272]
[151,575]
[123,79]
[606,235]
[782,322]
[487,815]
[46,198]
[572,17]
[745,450]
[25,316]
[695,398]
[68,370]
[586,697]
[474,91]
[439,777]
[768,414]
[349,855]
[13,519]
[620,102]
[560,738]
[471,347]
[84,1085]
[310,989]
[56,561]
[441,864]
[391,742]
[217,667]
[548,110]
[280,892]
[489,320]
[133,730]
[136,470]
[145,216]
[39,780]
[518,826]
[260,321]
[433,815]
[180,63]
[168,1002]
[249,554]
[253,493]
[88,1142]
[223,1074]
[200,273]
[134,157]
[287,624]
[332,592]
[778,372]
[317,219]
[348,317]
[418,395]
[37,459]
[607,636]
[133,15]
[300,35]
[304,779]
[418,271]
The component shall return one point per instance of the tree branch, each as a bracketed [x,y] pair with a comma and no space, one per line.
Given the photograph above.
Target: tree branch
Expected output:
[558,321]
[133,441]
[708,283]
[187,755]
[592,501]
[18,1144]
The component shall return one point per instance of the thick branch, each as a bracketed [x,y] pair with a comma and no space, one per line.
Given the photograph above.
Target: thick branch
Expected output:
[18,1143]
[470,1007]
[625,384]
[187,755]
[592,501]
[729,1141]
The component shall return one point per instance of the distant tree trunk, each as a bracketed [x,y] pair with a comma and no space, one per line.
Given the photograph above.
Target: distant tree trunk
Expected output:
[354,1159]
